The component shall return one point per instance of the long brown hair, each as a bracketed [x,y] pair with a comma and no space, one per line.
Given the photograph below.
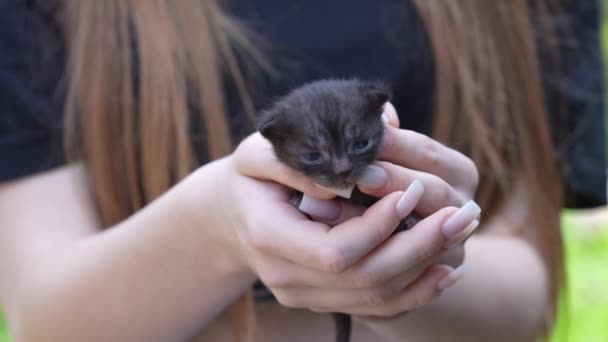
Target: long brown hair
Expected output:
[135,68]
[490,104]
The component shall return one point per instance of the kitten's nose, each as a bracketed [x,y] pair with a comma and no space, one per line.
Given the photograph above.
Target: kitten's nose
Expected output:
[342,167]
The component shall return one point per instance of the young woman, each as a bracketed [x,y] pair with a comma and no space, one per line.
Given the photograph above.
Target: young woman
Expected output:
[149,227]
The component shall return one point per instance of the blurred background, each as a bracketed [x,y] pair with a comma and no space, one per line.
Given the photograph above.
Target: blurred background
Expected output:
[584,310]
[583,314]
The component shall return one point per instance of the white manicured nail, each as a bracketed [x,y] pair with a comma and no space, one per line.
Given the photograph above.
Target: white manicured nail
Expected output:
[462,235]
[460,220]
[373,177]
[408,201]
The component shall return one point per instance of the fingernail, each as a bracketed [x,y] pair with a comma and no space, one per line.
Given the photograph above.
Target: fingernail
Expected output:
[451,278]
[323,209]
[409,199]
[460,220]
[462,235]
[373,177]
[384,118]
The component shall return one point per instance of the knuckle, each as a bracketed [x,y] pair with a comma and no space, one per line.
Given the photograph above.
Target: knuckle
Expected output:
[474,172]
[374,297]
[390,291]
[422,297]
[365,280]
[453,256]
[242,152]
[458,256]
[417,302]
[431,151]
[470,181]
[432,158]
[286,300]
[444,194]
[386,312]
[380,229]
[388,142]
[423,252]
[260,239]
[421,300]
[275,279]
[238,157]
[332,260]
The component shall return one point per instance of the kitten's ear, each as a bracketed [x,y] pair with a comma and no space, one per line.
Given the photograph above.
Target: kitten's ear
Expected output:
[377,94]
[268,125]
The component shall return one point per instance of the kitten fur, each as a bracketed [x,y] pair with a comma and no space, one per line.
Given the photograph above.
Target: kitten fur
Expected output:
[330,130]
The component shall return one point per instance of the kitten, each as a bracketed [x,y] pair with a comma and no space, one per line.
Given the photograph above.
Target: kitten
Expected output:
[330,130]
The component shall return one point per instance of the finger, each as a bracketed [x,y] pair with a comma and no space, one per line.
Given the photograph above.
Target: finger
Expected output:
[358,236]
[461,237]
[398,255]
[283,231]
[278,227]
[401,253]
[278,273]
[453,257]
[438,193]
[405,250]
[419,152]
[255,158]
[336,299]
[349,211]
[417,294]
[330,212]
[326,211]
[425,241]
[391,115]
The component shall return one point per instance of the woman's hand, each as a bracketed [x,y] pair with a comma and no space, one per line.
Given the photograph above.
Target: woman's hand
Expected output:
[356,266]
[449,177]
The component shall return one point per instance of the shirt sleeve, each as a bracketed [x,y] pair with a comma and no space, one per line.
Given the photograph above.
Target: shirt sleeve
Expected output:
[31,89]
[575,101]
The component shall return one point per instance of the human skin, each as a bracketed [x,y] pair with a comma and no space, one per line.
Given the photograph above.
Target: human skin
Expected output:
[172,268]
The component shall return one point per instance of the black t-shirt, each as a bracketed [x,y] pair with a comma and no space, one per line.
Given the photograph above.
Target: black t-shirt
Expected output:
[308,40]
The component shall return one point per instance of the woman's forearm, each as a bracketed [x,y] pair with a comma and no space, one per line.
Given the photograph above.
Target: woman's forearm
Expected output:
[502,296]
[158,276]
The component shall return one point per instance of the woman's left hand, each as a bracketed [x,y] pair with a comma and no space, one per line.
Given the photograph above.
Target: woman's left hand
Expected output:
[450,178]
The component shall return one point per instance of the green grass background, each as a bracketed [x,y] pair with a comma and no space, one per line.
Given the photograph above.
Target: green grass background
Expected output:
[585,319]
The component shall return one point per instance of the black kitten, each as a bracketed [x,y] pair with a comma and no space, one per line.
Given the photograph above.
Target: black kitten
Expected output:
[330,130]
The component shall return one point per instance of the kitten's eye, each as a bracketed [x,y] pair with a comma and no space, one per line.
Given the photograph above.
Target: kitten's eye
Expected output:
[312,157]
[360,145]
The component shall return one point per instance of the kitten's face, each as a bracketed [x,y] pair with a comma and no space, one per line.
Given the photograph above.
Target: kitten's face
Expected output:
[328,130]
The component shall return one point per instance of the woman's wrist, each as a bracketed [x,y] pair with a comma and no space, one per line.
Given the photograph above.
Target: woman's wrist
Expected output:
[204,205]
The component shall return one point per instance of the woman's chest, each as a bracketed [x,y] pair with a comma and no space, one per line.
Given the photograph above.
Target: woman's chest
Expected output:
[382,40]
[278,324]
